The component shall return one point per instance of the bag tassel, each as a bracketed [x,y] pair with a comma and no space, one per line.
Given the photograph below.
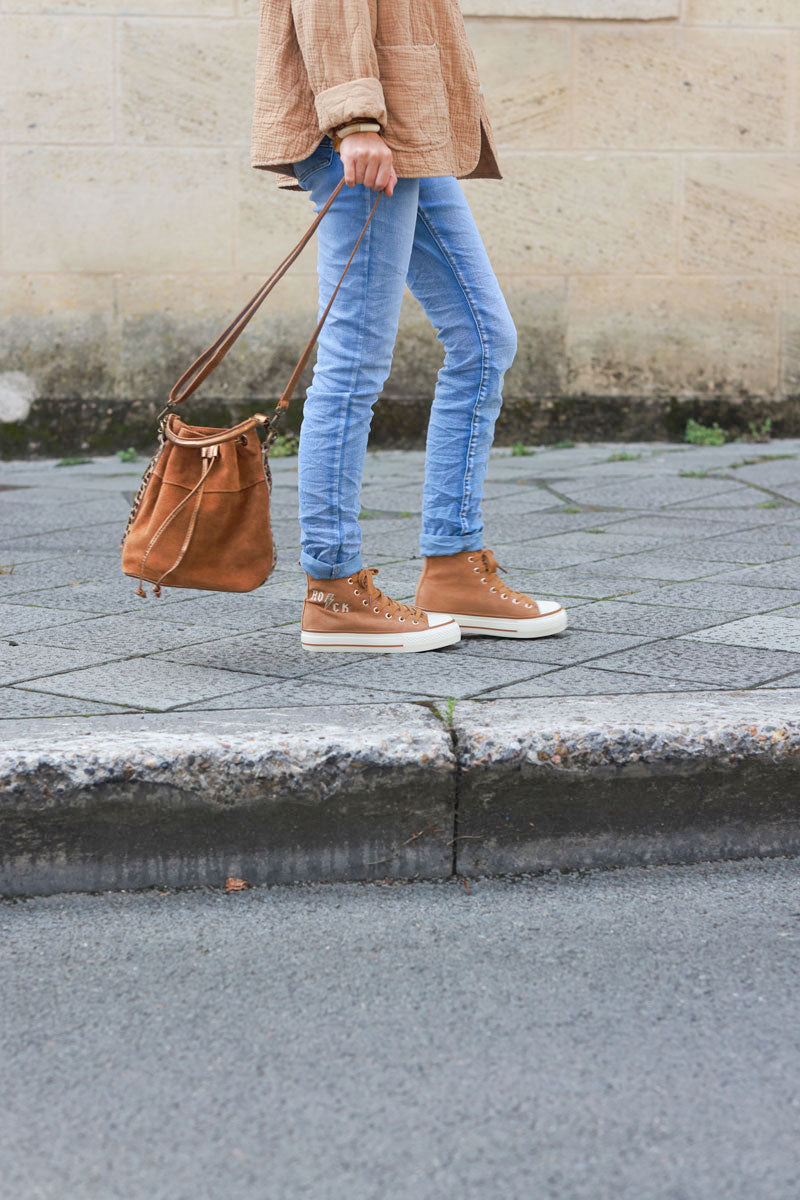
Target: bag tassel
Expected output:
[210,455]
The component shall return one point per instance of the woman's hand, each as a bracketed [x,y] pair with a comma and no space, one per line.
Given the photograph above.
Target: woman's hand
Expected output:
[367,159]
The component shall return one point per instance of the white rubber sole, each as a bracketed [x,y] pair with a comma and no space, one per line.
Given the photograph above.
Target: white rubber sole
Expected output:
[443,630]
[527,627]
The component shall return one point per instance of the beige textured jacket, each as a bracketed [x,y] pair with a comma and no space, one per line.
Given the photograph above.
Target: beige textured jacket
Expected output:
[405,63]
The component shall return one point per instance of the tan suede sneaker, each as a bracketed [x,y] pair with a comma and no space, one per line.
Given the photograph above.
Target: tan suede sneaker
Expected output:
[468,586]
[354,614]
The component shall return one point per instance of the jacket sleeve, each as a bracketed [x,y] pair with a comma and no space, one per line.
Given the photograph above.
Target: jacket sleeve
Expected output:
[336,42]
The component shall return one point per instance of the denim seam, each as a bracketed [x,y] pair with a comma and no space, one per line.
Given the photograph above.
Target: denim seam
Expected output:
[470,454]
[345,425]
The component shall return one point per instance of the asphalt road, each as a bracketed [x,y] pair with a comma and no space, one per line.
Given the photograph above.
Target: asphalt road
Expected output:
[629,1034]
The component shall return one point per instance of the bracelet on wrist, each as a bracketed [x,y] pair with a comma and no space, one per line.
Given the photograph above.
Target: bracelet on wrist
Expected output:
[354,127]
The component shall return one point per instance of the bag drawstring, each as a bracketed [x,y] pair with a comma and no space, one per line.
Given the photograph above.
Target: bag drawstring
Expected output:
[210,456]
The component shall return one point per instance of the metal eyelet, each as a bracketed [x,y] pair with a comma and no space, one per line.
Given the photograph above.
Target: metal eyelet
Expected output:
[402,620]
[376,610]
[415,622]
[365,601]
[492,589]
[476,570]
[470,558]
[503,596]
[388,616]
[355,590]
[513,601]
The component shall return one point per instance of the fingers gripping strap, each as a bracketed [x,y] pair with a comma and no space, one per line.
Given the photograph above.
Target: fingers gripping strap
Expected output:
[202,367]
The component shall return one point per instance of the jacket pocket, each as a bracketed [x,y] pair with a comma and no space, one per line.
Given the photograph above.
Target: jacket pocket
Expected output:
[418,114]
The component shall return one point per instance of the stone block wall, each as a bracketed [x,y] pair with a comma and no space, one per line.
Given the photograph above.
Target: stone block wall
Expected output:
[646,233]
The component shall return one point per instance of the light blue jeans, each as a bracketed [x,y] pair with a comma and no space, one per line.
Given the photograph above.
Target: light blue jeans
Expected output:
[424,236]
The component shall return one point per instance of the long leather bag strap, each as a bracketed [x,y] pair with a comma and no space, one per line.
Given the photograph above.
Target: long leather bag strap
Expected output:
[202,367]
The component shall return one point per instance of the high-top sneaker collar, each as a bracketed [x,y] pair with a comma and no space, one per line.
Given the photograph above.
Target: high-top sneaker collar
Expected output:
[469,586]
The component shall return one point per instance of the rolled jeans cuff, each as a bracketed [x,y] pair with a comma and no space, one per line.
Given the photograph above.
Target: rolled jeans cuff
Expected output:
[450,543]
[318,569]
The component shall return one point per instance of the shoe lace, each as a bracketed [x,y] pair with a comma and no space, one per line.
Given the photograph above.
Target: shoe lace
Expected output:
[491,566]
[379,600]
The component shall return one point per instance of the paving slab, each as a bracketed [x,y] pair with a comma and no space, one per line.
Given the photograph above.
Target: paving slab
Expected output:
[593,680]
[63,541]
[780,573]
[19,702]
[587,583]
[128,634]
[270,652]
[146,683]
[642,619]
[712,593]
[753,546]
[18,618]
[656,565]
[454,672]
[768,631]
[301,691]
[95,596]
[688,525]
[248,611]
[55,571]
[714,663]
[574,646]
[660,493]
[23,662]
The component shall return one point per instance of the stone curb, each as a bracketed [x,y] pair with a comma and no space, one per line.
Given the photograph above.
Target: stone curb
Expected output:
[623,781]
[299,795]
[386,791]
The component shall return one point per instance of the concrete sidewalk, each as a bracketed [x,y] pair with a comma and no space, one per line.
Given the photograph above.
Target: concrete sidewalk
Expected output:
[680,568]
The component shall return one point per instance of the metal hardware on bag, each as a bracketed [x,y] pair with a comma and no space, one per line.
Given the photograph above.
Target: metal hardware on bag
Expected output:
[163,416]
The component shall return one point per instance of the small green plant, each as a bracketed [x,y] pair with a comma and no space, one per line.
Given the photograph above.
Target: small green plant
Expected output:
[760,458]
[520,450]
[759,433]
[285,445]
[571,508]
[694,474]
[566,445]
[772,504]
[73,462]
[128,455]
[623,456]
[449,709]
[703,435]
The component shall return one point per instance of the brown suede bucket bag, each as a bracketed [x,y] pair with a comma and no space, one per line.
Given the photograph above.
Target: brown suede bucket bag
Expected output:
[200,518]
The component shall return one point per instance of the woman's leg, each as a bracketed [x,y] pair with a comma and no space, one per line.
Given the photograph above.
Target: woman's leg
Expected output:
[451,276]
[354,355]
